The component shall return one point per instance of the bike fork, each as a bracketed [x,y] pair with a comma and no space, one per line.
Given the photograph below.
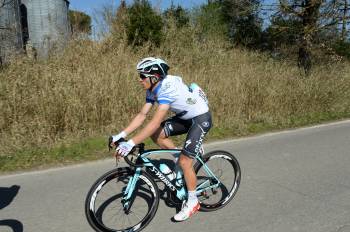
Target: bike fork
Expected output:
[129,190]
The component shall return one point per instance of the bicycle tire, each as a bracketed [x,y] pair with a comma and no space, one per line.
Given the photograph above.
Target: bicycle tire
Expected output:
[227,192]
[96,204]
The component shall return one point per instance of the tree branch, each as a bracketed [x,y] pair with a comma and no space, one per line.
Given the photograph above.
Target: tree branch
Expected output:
[286,8]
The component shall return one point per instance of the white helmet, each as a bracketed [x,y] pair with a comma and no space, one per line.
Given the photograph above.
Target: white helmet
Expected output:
[152,67]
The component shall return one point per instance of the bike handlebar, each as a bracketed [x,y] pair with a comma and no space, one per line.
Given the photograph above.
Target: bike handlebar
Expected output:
[140,146]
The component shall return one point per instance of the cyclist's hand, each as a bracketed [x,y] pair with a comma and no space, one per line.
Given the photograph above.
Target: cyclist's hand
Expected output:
[124,148]
[115,138]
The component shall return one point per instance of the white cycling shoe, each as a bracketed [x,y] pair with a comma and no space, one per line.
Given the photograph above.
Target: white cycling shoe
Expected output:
[186,212]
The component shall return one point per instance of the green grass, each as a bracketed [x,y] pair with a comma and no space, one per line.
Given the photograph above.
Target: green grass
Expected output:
[89,149]
[96,148]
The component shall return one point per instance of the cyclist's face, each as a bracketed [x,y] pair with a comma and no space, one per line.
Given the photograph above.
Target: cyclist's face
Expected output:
[145,82]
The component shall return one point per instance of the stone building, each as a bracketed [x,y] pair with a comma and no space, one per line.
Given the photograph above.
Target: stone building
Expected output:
[40,24]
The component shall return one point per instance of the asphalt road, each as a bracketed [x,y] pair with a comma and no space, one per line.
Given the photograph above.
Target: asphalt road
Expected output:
[297,180]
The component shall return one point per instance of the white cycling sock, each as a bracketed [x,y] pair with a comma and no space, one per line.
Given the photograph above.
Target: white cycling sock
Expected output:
[192,198]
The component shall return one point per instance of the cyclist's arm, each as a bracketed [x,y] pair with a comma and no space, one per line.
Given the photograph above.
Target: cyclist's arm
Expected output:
[153,125]
[139,119]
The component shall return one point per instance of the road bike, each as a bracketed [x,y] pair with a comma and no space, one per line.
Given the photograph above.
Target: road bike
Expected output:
[127,198]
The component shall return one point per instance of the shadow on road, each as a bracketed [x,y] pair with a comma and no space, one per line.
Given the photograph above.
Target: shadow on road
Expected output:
[15,225]
[6,197]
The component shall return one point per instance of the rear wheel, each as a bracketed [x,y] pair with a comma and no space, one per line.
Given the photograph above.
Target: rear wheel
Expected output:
[104,207]
[226,168]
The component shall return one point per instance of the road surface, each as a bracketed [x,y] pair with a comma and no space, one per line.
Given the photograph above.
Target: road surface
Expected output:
[296,180]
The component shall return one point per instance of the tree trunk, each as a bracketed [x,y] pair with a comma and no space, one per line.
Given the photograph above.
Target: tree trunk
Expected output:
[310,15]
[344,32]
[304,56]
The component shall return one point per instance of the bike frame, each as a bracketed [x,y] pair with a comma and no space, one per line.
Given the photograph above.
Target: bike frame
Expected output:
[180,193]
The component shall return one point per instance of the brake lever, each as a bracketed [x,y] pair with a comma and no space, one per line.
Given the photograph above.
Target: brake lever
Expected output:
[110,139]
[116,143]
[110,147]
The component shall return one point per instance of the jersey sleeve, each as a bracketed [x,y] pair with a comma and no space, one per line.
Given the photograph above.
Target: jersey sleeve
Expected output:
[167,94]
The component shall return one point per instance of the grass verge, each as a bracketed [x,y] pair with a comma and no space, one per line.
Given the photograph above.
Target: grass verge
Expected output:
[90,149]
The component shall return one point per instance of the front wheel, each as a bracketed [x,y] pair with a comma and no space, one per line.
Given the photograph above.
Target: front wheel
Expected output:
[225,167]
[105,208]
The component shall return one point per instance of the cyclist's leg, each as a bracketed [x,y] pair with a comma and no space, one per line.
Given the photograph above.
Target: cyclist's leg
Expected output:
[192,205]
[186,164]
[193,145]
[162,140]
[170,127]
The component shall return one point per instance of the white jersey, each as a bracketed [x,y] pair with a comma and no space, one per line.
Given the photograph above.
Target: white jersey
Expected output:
[183,101]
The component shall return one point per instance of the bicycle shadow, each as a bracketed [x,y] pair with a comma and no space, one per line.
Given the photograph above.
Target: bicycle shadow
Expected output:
[15,225]
[7,195]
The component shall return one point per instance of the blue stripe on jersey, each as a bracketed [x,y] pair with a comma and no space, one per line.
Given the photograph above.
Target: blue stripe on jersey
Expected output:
[167,102]
[165,99]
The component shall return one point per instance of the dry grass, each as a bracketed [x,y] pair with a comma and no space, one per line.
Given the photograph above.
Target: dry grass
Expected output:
[93,90]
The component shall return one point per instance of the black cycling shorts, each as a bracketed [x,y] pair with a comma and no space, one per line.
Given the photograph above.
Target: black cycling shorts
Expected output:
[196,128]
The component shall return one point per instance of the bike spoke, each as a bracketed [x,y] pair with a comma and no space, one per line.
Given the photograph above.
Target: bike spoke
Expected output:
[223,166]
[109,212]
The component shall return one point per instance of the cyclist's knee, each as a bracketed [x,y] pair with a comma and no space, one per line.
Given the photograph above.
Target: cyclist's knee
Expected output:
[154,138]
[185,162]
[158,136]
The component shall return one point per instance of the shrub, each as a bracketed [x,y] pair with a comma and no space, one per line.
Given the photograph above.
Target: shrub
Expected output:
[342,48]
[144,24]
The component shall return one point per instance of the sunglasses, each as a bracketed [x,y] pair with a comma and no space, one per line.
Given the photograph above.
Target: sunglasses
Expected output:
[142,76]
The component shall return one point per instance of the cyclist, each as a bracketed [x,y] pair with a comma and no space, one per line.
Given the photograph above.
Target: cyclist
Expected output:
[192,117]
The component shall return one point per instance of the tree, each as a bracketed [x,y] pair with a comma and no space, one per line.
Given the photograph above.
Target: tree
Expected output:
[342,48]
[283,30]
[317,17]
[209,20]
[242,19]
[120,21]
[80,22]
[180,15]
[345,20]
[144,24]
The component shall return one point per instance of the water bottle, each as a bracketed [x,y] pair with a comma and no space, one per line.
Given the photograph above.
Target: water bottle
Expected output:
[167,171]
[179,175]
